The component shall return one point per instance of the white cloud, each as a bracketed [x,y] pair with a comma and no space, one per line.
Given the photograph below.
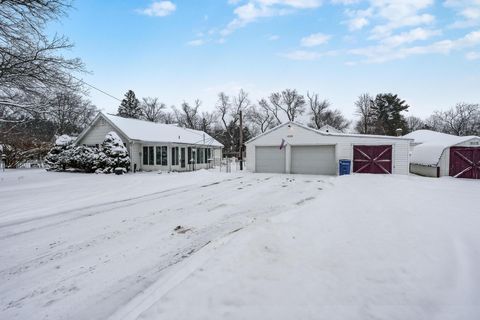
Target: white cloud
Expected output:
[256,9]
[196,43]
[159,9]
[304,55]
[410,36]
[472,55]
[389,15]
[467,11]
[358,19]
[314,40]
[383,53]
[273,37]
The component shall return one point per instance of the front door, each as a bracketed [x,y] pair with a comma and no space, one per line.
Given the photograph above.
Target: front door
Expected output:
[182,157]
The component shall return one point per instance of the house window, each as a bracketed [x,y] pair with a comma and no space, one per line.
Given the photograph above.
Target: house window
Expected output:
[158,156]
[200,153]
[161,156]
[207,156]
[164,156]
[148,156]
[189,155]
[174,156]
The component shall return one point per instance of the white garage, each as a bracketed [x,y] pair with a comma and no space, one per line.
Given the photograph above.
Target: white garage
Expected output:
[294,148]
[313,160]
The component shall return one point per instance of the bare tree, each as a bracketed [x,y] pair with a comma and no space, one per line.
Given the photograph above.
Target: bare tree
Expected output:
[188,115]
[290,102]
[317,110]
[364,109]
[31,63]
[414,123]
[69,112]
[207,121]
[260,117]
[223,108]
[152,109]
[462,120]
[228,109]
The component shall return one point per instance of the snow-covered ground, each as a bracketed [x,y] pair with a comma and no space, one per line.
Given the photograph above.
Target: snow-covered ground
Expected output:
[210,245]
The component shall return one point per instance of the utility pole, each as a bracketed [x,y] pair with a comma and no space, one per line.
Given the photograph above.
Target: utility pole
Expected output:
[241,141]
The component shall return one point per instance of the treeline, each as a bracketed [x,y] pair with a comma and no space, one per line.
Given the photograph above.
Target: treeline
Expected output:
[384,114]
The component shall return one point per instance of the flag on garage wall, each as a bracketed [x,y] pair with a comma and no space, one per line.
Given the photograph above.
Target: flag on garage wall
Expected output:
[282,145]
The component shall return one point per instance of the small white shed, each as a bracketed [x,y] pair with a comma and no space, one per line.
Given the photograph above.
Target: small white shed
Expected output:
[436,154]
[294,148]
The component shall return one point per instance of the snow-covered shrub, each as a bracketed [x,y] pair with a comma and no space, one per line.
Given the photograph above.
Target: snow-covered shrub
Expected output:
[83,158]
[114,155]
[58,157]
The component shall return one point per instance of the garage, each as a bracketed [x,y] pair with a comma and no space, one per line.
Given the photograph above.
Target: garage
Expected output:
[270,159]
[372,159]
[313,160]
[294,148]
[436,154]
[465,162]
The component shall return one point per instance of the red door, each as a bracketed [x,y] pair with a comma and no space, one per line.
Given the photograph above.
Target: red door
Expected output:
[465,162]
[372,159]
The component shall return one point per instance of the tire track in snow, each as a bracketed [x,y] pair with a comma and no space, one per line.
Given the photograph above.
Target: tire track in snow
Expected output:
[80,212]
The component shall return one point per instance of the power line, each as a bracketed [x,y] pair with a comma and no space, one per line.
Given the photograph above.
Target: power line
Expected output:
[99,90]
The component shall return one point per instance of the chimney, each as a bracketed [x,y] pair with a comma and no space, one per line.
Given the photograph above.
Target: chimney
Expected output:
[399,132]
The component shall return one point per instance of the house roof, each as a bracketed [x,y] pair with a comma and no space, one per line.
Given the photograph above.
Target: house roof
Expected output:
[429,145]
[335,134]
[147,131]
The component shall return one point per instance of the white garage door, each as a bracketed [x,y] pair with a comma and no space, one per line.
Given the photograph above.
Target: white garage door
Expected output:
[314,160]
[270,159]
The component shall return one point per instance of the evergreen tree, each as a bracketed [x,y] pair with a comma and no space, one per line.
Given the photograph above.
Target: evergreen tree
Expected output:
[114,155]
[58,157]
[387,112]
[130,106]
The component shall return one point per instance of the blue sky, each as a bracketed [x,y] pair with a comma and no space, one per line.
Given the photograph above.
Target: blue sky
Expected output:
[426,51]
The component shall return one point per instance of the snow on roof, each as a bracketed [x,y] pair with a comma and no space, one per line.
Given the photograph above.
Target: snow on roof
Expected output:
[431,145]
[158,132]
[337,134]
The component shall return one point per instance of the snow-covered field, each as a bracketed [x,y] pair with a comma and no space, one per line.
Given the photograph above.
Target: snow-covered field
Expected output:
[210,245]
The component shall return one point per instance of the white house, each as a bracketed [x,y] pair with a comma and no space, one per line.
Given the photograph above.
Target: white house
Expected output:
[436,154]
[295,148]
[155,146]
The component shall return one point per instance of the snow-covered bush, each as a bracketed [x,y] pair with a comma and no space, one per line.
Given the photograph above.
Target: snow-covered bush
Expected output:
[113,156]
[58,157]
[83,158]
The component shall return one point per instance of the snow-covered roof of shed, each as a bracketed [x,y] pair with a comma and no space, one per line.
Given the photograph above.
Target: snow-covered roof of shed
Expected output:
[431,145]
[158,132]
[336,134]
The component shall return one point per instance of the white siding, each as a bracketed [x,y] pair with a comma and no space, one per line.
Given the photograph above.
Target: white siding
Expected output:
[97,133]
[296,135]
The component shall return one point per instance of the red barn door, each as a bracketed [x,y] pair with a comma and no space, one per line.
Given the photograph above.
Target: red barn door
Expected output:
[372,159]
[465,162]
